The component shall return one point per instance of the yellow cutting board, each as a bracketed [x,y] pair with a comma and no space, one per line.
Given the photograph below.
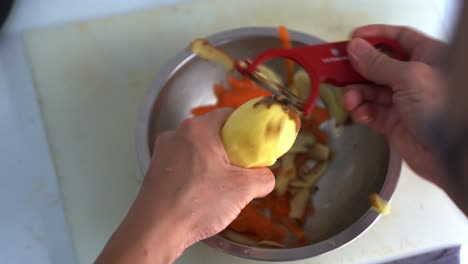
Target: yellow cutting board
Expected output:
[91,76]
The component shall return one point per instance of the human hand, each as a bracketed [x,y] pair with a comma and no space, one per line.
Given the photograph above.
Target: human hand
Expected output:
[191,192]
[403,94]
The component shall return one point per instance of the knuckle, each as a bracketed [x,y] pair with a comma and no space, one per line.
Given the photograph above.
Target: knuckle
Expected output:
[405,30]
[184,133]
[188,126]
[378,62]
[186,123]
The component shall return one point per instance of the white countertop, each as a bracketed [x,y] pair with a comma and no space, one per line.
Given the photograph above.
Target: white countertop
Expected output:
[33,226]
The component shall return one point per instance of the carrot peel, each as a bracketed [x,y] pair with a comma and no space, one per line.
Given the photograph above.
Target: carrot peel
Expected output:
[283,35]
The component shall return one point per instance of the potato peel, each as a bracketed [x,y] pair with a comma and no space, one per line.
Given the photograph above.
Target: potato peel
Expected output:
[209,52]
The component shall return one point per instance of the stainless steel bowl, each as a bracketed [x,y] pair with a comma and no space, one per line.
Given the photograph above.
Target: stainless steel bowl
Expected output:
[363,163]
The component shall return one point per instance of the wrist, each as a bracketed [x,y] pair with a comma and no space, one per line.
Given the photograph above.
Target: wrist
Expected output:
[150,233]
[167,228]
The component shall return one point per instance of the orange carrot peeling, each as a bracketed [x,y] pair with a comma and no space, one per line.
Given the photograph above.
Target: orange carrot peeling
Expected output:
[201,110]
[283,35]
[319,115]
[250,220]
[218,90]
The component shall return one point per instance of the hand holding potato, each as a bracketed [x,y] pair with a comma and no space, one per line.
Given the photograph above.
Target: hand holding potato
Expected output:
[191,192]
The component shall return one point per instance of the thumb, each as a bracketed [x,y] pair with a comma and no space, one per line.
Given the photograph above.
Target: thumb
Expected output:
[265,180]
[375,65]
[258,182]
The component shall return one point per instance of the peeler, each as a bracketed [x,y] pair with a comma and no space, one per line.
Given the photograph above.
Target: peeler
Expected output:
[324,63]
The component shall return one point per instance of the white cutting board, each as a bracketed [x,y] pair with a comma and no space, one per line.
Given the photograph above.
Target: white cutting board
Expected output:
[91,76]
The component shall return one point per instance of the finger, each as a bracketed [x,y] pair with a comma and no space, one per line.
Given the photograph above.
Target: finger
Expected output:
[374,65]
[409,39]
[215,120]
[384,95]
[258,182]
[358,93]
[352,99]
[380,118]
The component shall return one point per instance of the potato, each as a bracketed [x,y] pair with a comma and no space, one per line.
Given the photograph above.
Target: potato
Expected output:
[259,132]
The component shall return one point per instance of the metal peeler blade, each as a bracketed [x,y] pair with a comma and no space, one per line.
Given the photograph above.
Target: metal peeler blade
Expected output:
[280,92]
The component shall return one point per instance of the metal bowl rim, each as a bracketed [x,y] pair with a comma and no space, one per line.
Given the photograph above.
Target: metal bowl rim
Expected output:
[151,100]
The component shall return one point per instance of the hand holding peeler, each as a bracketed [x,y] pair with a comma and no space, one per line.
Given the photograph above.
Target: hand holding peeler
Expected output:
[324,63]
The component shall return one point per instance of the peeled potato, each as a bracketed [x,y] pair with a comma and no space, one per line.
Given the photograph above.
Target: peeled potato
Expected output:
[259,132]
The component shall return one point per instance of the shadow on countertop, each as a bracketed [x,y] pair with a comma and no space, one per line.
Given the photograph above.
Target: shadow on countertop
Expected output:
[442,256]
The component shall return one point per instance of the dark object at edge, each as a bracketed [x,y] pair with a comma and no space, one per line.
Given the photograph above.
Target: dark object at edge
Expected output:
[5,9]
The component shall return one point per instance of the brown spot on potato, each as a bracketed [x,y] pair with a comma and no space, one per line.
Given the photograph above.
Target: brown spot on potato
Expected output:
[281,125]
[274,129]
[268,101]
[271,130]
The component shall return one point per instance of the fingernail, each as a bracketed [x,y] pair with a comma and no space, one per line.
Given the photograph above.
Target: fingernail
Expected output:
[358,47]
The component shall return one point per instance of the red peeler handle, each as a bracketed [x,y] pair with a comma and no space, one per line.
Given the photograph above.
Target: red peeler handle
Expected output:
[325,63]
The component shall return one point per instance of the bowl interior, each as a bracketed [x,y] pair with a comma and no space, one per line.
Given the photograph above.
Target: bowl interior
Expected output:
[361,156]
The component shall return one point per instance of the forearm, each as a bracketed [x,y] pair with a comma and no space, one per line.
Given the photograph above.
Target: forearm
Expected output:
[455,184]
[148,234]
[460,197]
